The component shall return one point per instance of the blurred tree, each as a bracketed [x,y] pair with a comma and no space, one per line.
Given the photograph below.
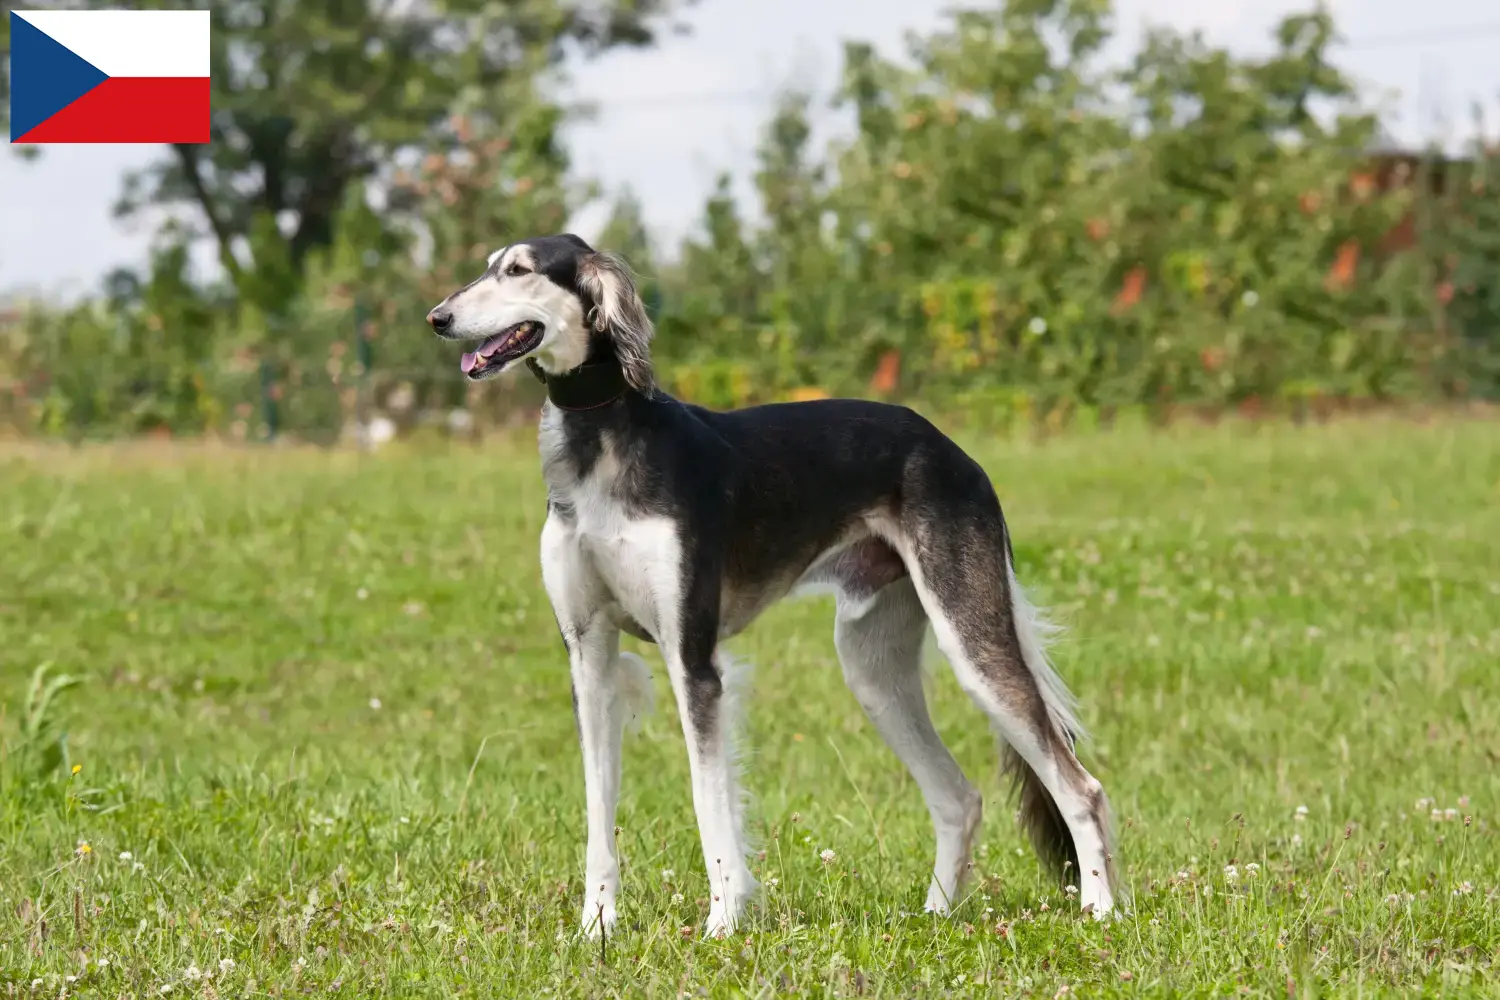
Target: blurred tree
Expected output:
[1013,226]
[626,233]
[313,96]
[1471,288]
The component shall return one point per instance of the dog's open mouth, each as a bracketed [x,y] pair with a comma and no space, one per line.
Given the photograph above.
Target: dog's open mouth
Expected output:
[507,345]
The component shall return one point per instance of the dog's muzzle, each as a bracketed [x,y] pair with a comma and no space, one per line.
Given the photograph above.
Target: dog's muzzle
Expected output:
[497,351]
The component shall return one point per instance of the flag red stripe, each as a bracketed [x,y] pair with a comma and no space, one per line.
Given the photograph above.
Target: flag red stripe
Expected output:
[132,109]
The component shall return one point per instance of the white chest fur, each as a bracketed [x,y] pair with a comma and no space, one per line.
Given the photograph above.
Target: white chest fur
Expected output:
[624,562]
[638,561]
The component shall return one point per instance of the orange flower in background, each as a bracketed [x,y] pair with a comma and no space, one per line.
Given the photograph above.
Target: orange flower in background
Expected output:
[1098,230]
[1363,185]
[1341,274]
[1310,201]
[887,373]
[1212,358]
[1130,290]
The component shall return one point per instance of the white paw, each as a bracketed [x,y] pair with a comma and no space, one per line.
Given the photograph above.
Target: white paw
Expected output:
[1099,909]
[937,902]
[598,918]
[720,924]
[724,917]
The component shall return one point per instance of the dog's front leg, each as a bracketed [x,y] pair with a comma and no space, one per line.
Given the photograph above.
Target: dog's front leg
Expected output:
[698,683]
[601,703]
[600,706]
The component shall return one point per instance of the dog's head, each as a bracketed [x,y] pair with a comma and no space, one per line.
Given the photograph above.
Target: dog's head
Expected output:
[555,299]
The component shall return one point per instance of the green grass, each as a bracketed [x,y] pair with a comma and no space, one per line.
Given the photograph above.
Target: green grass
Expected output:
[324,732]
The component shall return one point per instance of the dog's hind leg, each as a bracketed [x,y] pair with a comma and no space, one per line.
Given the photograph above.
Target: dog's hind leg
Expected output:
[879,640]
[961,567]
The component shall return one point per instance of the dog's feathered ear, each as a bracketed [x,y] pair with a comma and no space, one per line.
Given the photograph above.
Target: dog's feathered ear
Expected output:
[618,311]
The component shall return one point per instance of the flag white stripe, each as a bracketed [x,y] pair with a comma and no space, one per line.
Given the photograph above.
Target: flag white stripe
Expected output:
[131,42]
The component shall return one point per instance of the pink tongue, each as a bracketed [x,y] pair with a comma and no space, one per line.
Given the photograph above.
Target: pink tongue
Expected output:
[487,348]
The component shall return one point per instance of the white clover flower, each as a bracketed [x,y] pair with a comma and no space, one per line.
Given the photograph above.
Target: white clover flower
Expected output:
[126,855]
[193,974]
[225,964]
[676,899]
[828,856]
[668,874]
[1231,873]
[1037,325]
[1071,890]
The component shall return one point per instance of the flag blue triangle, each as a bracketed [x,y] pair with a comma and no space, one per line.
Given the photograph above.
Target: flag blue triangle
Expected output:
[45,77]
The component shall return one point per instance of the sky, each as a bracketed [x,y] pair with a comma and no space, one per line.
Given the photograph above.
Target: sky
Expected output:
[670,119]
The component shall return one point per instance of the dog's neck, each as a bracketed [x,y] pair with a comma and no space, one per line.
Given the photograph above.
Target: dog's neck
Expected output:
[594,384]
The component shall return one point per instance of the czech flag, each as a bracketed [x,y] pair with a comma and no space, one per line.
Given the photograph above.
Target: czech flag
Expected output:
[109,75]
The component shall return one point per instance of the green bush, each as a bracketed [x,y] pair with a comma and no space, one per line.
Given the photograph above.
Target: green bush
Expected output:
[1013,229]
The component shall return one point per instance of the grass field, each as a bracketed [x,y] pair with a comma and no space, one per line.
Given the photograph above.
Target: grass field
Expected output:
[321,740]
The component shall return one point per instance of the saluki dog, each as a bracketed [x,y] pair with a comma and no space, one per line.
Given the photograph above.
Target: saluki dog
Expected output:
[679,525]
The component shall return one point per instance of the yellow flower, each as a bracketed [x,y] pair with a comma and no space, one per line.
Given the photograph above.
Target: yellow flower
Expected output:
[77,768]
[84,848]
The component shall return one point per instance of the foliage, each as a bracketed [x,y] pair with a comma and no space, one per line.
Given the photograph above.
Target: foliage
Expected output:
[313,98]
[326,722]
[1011,227]
[1011,216]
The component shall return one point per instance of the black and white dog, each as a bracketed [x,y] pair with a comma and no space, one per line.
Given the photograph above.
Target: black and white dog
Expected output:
[679,525]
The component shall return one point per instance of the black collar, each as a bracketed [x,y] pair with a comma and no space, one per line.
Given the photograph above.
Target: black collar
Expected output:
[587,387]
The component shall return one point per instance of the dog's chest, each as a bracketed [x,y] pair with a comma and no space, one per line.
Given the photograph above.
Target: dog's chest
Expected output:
[636,558]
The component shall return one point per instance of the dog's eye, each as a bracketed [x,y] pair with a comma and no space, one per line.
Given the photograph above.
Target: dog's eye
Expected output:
[516,270]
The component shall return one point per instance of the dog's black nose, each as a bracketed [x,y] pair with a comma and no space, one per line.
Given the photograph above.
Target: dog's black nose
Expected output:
[440,319]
